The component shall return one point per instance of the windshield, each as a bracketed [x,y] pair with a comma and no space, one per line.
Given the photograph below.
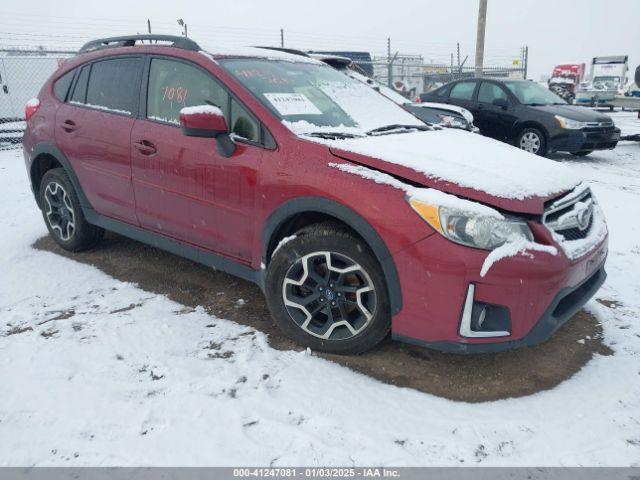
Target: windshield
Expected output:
[311,97]
[529,93]
[606,81]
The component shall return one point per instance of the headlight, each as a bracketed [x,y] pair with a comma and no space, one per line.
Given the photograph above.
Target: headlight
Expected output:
[469,223]
[451,121]
[570,124]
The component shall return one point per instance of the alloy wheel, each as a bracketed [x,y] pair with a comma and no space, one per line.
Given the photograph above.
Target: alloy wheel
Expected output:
[59,210]
[530,142]
[329,295]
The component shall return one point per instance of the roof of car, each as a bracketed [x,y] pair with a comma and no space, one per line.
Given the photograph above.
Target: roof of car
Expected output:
[184,43]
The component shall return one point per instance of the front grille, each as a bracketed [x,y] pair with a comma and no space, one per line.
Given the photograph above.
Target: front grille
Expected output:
[608,125]
[570,216]
[575,233]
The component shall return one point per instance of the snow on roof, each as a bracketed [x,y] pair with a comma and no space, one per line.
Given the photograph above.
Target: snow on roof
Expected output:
[256,52]
[467,160]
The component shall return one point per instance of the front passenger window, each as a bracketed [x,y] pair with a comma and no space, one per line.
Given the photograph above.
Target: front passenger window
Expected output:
[243,124]
[489,92]
[174,85]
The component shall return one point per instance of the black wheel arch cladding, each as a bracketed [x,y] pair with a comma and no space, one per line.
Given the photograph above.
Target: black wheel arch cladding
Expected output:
[344,214]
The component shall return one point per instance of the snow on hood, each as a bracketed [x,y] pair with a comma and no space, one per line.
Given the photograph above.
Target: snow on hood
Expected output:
[479,165]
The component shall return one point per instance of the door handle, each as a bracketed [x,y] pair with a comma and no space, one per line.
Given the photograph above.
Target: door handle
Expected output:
[69,126]
[145,147]
[5,89]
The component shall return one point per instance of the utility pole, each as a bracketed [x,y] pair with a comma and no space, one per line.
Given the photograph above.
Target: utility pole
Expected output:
[389,64]
[148,25]
[282,38]
[182,23]
[526,61]
[459,67]
[451,69]
[482,23]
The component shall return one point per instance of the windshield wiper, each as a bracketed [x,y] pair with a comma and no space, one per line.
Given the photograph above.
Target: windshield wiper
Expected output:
[333,135]
[399,127]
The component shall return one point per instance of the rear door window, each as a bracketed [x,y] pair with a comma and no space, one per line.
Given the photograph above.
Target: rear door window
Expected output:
[463,91]
[174,85]
[113,85]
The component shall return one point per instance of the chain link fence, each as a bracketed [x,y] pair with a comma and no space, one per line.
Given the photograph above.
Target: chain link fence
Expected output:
[22,74]
[23,71]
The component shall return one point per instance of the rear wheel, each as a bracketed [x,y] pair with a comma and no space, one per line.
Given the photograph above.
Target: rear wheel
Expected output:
[63,215]
[533,141]
[582,153]
[326,290]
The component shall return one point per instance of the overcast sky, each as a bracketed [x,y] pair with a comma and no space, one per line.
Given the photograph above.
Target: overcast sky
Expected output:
[556,31]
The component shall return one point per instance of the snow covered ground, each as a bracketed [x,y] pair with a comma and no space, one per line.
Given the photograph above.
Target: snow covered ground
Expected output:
[94,371]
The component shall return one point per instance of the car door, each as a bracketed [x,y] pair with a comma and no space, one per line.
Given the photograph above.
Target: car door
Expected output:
[494,115]
[462,94]
[184,188]
[93,130]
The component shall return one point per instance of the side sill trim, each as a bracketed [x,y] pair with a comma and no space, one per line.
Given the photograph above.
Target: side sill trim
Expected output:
[205,257]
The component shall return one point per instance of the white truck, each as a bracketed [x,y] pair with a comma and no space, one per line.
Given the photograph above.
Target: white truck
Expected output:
[607,80]
[21,77]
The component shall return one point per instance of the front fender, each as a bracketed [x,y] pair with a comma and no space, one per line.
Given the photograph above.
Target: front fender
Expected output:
[329,207]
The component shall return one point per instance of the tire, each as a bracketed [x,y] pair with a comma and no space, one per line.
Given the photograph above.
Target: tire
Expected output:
[63,215]
[532,140]
[322,308]
[582,153]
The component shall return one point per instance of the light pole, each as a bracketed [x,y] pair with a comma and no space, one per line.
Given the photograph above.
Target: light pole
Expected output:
[482,22]
[184,25]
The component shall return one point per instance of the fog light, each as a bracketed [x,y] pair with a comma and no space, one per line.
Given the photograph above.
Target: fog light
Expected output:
[483,320]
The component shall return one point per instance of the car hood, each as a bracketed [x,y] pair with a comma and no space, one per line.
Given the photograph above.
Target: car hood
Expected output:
[462,164]
[574,112]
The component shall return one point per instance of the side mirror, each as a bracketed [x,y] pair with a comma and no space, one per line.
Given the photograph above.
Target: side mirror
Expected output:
[501,102]
[209,122]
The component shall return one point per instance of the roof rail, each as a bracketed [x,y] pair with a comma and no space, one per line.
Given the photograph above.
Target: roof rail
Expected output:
[130,41]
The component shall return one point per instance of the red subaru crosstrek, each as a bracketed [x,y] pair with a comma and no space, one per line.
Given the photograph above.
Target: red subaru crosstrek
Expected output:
[354,217]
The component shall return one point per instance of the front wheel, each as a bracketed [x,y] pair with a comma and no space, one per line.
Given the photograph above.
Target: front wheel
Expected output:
[533,141]
[326,290]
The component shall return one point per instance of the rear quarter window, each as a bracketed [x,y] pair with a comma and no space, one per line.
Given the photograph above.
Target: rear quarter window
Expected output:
[61,86]
[79,94]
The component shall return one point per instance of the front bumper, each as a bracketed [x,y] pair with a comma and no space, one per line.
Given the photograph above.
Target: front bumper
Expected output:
[594,98]
[586,139]
[540,294]
[564,306]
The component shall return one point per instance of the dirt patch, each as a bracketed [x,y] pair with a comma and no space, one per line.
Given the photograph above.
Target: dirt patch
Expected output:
[475,378]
